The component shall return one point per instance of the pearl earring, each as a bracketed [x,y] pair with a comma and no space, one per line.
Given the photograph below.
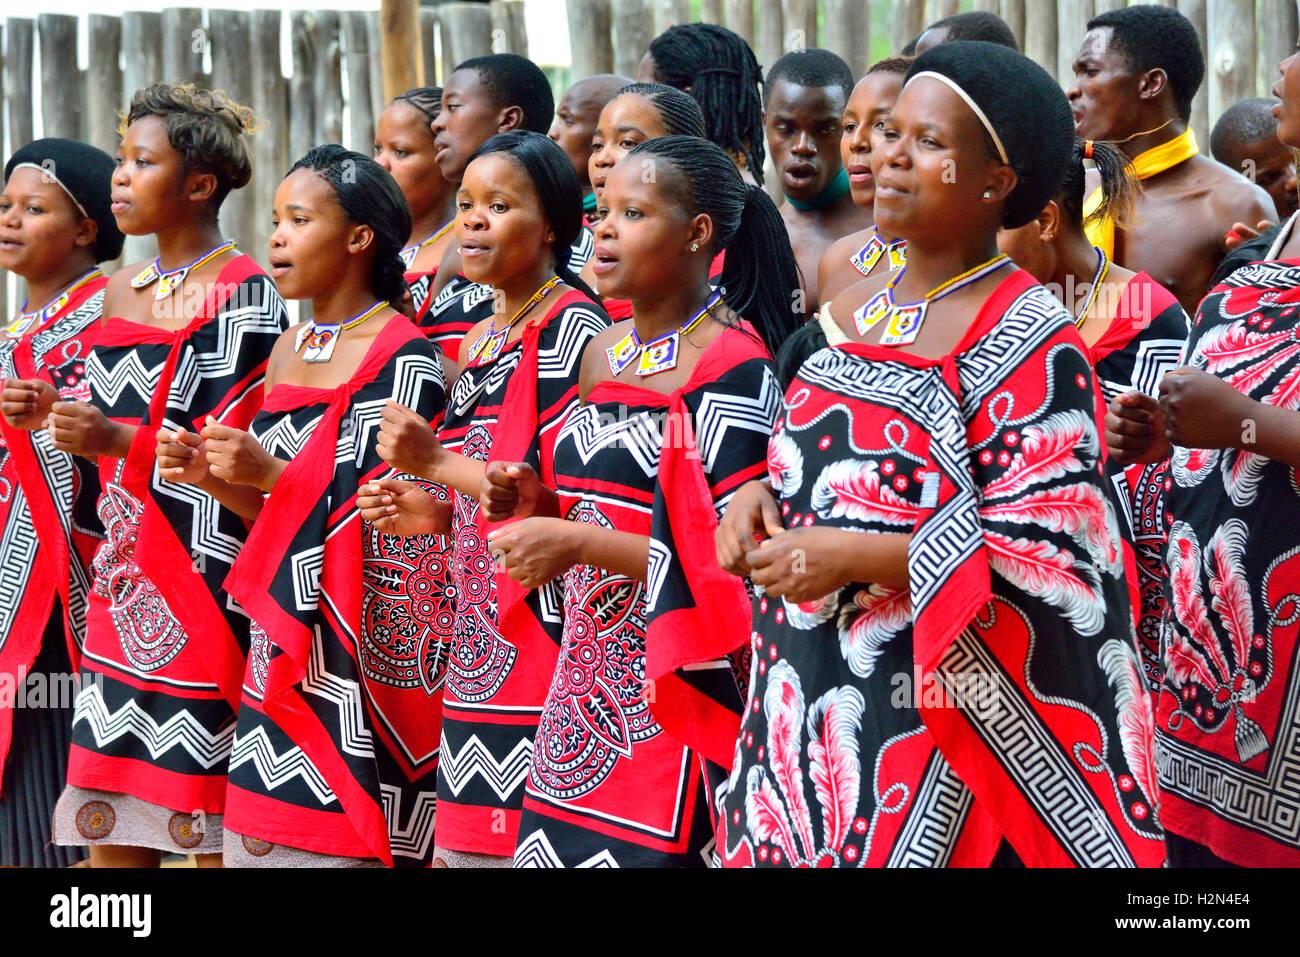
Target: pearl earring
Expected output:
[988,194]
[695,247]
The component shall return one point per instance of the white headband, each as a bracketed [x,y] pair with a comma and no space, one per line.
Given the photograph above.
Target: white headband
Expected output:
[951,84]
[46,173]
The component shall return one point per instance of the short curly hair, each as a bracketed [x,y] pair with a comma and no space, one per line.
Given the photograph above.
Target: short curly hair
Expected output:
[1153,37]
[206,127]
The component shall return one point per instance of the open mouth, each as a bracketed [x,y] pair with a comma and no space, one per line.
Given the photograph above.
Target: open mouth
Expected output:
[859,173]
[800,174]
[603,260]
[473,247]
[279,266]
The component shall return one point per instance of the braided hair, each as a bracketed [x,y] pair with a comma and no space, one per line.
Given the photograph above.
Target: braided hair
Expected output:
[679,113]
[724,78]
[553,177]
[1119,184]
[368,195]
[426,99]
[759,275]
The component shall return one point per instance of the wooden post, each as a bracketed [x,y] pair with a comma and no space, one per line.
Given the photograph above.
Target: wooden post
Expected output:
[142,46]
[184,40]
[509,27]
[270,102]
[399,50]
[909,20]
[1040,33]
[936,10]
[846,28]
[769,33]
[1105,6]
[361,115]
[373,41]
[328,92]
[987,6]
[19,33]
[232,74]
[634,28]
[1013,12]
[302,86]
[1278,26]
[1196,11]
[1072,17]
[711,11]
[1231,57]
[669,13]
[61,100]
[428,52]
[467,31]
[740,19]
[104,86]
[590,45]
[799,18]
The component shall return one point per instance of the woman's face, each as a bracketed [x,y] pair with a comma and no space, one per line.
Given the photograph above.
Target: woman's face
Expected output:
[644,236]
[624,122]
[868,105]
[150,181]
[404,147]
[931,164]
[312,236]
[40,227]
[500,225]
[1287,112]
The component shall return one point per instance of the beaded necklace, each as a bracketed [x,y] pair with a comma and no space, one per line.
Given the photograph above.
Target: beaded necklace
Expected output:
[865,259]
[1098,277]
[410,252]
[660,353]
[320,338]
[489,345]
[904,321]
[28,320]
[169,280]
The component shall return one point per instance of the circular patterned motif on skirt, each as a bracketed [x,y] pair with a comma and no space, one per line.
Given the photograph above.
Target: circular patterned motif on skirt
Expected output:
[95,820]
[183,832]
[256,846]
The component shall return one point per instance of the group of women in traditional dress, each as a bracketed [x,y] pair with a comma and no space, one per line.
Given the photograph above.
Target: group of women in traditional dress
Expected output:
[565,539]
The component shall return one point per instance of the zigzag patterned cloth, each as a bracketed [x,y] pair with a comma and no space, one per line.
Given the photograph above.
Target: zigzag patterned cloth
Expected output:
[623,776]
[1229,706]
[48,527]
[336,748]
[506,640]
[164,644]
[997,698]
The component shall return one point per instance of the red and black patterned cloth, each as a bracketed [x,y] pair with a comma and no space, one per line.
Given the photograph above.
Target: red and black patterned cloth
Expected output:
[641,717]
[336,749]
[505,644]
[1228,708]
[164,643]
[997,698]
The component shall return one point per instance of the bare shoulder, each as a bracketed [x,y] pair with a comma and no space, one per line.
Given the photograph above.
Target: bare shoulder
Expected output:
[595,366]
[1237,199]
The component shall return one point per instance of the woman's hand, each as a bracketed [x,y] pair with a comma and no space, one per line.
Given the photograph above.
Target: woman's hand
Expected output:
[82,429]
[802,564]
[1241,233]
[181,456]
[751,517]
[510,490]
[534,551]
[235,457]
[25,403]
[1201,411]
[398,507]
[407,442]
[1135,430]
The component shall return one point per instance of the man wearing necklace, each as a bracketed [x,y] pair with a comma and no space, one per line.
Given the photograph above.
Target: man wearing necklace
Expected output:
[1135,75]
[804,100]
